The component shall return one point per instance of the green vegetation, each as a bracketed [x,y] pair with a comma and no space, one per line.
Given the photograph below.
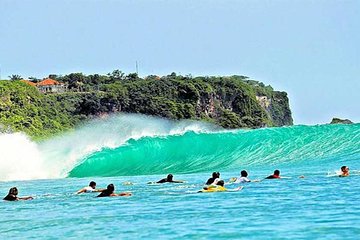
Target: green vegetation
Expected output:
[24,108]
[227,101]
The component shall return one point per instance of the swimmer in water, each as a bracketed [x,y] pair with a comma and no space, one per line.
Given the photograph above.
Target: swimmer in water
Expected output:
[12,195]
[169,178]
[219,187]
[345,171]
[276,175]
[243,177]
[214,179]
[109,192]
[90,188]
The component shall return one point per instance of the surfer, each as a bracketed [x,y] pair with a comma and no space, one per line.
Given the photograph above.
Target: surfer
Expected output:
[109,192]
[345,171]
[243,177]
[214,179]
[12,195]
[90,188]
[276,175]
[169,178]
[219,187]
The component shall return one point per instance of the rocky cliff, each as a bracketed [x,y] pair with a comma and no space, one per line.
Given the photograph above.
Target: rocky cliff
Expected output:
[231,102]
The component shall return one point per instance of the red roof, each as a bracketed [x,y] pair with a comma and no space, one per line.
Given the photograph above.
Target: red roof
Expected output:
[47,82]
[28,82]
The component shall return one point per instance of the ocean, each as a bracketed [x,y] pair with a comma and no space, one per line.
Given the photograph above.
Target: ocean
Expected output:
[140,149]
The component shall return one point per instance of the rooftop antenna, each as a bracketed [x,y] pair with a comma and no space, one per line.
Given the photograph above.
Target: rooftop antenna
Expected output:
[137,68]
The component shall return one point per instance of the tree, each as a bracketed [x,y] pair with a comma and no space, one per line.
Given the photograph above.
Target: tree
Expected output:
[15,77]
[74,81]
[34,79]
[53,76]
[117,74]
[132,76]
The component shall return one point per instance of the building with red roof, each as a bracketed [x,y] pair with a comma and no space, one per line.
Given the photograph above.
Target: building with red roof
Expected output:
[49,85]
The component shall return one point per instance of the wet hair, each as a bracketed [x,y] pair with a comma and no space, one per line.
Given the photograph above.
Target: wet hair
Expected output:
[92,183]
[12,194]
[343,168]
[244,173]
[220,183]
[218,174]
[169,178]
[13,191]
[214,174]
[110,188]
[277,172]
[108,191]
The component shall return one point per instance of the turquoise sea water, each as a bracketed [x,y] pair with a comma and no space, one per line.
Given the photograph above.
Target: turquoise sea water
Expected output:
[315,207]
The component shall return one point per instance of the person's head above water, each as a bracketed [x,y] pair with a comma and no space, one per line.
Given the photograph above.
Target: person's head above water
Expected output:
[214,175]
[13,191]
[92,184]
[345,171]
[220,183]
[244,173]
[344,168]
[277,173]
[218,174]
[110,188]
[169,178]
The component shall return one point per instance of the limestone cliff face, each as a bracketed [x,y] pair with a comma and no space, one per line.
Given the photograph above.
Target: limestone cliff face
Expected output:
[279,109]
[265,111]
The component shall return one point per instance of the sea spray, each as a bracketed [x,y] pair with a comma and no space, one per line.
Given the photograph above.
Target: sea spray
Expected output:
[23,159]
[20,158]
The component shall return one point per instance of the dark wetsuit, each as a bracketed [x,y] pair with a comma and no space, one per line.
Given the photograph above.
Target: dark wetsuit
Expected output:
[104,193]
[10,197]
[164,180]
[272,177]
[210,181]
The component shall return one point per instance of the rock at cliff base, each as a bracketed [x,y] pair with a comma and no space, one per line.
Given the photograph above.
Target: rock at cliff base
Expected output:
[341,121]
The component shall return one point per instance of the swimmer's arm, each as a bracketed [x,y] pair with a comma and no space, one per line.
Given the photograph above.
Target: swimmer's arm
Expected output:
[25,198]
[81,191]
[123,194]
[99,190]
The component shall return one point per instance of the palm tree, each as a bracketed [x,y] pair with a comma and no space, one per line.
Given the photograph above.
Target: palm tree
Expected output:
[15,77]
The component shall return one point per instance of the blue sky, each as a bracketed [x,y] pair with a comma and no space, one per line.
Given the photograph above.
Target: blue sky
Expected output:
[310,49]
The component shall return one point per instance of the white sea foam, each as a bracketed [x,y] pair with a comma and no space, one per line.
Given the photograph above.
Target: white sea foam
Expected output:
[20,158]
[23,159]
